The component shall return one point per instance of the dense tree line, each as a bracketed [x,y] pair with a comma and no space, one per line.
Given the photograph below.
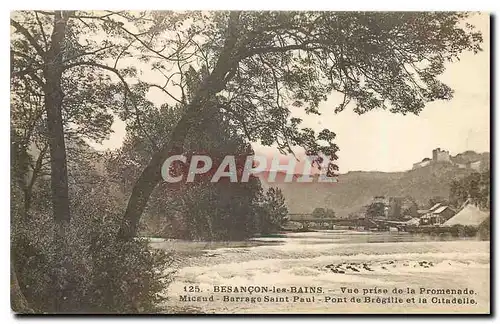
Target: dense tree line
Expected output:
[320,212]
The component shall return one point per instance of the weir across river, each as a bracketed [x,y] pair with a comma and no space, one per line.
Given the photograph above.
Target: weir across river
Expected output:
[308,218]
[309,221]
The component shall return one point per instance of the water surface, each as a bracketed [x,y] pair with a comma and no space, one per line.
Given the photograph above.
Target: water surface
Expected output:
[332,260]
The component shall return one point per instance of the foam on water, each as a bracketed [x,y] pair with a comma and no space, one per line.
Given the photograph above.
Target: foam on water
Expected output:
[298,263]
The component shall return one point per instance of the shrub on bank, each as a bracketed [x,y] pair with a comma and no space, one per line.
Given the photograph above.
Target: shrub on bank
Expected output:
[483,231]
[463,230]
[87,271]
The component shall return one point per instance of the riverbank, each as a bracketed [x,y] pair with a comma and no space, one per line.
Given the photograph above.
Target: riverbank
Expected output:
[189,249]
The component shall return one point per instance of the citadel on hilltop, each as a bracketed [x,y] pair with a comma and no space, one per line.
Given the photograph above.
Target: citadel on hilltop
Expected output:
[443,156]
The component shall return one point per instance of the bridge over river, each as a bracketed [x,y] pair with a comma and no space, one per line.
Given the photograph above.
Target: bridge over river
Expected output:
[308,220]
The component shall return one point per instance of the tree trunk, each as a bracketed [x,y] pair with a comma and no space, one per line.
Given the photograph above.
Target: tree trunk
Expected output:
[224,68]
[18,302]
[151,176]
[53,104]
[28,189]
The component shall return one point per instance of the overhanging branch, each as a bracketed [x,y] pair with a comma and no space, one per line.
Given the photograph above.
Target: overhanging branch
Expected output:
[28,37]
[127,91]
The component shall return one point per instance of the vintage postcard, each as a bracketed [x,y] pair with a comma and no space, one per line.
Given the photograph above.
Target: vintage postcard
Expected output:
[236,162]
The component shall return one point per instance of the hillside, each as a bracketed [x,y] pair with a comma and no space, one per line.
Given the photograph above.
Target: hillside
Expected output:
[470,156]
[356,189]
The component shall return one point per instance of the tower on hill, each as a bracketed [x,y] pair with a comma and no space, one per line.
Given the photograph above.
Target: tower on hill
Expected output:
[439,155]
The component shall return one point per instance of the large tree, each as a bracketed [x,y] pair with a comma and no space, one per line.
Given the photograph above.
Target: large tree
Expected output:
[68,83]
[61,94]
[51,54]
[263,65]
[222,210]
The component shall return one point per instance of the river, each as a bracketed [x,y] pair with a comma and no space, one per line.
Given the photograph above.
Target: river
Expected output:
[408,268]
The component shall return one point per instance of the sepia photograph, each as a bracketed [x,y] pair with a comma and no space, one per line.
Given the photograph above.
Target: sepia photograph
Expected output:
[250,162]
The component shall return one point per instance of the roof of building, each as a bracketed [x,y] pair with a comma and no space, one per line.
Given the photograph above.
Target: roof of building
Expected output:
[439,210]
[434,207]
[470,215]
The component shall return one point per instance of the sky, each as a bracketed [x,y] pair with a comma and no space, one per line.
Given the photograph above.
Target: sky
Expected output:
[383,141]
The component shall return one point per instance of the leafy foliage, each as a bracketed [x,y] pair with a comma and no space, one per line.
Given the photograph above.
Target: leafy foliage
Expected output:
[89,272]
[402,207]
[278,62]
[375,210]
[199,209]
[274,212]
[229,78]
[475,188]
[319,212]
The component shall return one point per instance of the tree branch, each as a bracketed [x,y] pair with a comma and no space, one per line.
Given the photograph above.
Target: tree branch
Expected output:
[42,31]
[127,91]
[28,37]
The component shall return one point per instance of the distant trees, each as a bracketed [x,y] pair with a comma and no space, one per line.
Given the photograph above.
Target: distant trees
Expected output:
[375,210]
[395,208]
[319,212]
[329,213]
[400,207]
[475,187]
[409,207]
